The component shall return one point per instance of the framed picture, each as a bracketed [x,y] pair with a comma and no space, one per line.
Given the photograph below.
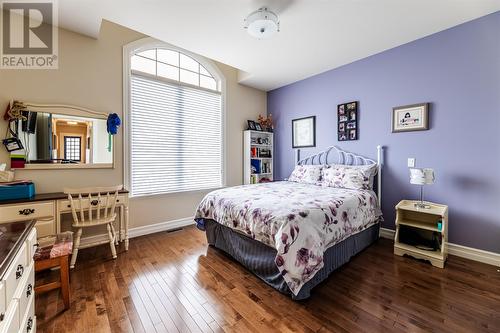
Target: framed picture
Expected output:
[410,118]
[258,127]
[304,132]
[347,119]
[251,125]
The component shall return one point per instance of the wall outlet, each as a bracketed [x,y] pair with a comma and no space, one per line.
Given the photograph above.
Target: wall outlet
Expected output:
[411,162]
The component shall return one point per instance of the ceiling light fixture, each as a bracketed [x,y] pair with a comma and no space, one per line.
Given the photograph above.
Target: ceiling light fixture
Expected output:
[262,23]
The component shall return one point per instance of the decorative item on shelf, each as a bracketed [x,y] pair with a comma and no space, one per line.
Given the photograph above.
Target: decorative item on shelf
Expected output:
[12,144]
[5,176]
[13,113]
[266,122]
[264,153]
[419,176]
[304,132]
[251,125]
[258,127]
[18,159]
[347,120]
[410,118]
[112,125]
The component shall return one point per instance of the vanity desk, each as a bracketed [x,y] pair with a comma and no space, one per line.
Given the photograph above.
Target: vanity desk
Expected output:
[47,210]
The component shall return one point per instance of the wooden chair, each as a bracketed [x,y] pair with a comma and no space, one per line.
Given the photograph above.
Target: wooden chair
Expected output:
[96,206]
[54,252]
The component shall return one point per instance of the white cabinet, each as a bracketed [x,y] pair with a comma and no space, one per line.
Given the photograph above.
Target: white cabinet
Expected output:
[17,292]
[257,157]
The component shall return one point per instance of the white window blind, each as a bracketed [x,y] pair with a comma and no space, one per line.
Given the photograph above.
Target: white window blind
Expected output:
[176,137]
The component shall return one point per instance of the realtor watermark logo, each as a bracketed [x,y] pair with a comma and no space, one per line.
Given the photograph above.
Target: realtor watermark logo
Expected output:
[29,34]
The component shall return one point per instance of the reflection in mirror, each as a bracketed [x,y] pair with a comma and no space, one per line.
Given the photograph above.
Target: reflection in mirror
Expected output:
[56,138]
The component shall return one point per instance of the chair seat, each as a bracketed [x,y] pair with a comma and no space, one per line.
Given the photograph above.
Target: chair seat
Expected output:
[95,222]
[54,246]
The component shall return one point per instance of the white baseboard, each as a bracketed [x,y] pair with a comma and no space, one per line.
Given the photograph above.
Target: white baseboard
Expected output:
[471,253]
[466,252]
[387,233]
[158,227]
[138,231]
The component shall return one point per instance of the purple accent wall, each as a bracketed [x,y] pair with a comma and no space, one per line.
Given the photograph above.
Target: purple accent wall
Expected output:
[458,72]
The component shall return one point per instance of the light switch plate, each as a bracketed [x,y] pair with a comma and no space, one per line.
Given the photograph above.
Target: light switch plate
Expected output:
[411,162]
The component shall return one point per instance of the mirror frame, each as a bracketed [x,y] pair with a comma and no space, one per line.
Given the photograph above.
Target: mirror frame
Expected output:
[69,110]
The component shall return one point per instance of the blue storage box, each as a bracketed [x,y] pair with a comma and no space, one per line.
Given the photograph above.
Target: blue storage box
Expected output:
[17,191]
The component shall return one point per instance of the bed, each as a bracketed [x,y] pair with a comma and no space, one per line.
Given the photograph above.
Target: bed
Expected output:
[292,234]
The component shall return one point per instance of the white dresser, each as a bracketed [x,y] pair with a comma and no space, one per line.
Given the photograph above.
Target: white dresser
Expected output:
[17,282]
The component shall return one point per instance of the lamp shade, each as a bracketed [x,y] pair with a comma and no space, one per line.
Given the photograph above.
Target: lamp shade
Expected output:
[422,176]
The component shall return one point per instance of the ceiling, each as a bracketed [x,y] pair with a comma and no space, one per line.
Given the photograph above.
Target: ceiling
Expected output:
[316,35]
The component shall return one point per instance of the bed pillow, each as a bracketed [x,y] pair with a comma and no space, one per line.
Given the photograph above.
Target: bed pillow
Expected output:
[309,174]
[355,177]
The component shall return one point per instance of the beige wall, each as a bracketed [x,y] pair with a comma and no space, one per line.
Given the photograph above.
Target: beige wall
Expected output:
[90,75]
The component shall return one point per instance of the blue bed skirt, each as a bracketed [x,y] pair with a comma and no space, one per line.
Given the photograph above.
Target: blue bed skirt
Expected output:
[259,258]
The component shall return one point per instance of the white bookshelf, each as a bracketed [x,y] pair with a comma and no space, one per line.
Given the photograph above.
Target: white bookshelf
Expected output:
[255,146]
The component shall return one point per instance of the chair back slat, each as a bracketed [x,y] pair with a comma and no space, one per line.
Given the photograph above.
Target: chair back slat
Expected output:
[82,215]
[90,208]
[106,208]
[73,208]
[98,205]
[113,202]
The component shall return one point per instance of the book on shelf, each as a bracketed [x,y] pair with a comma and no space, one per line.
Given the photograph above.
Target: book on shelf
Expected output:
[260,152]
[253,152]
[256,166]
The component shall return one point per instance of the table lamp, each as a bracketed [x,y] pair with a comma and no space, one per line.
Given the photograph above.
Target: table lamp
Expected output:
[421,177]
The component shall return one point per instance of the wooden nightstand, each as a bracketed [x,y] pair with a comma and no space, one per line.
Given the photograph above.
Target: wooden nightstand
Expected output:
[425,222]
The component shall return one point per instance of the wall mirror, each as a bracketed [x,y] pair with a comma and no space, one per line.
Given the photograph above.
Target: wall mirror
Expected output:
[65,137]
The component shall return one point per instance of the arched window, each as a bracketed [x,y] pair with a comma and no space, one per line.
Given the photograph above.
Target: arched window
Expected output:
[174,65]
[174,120]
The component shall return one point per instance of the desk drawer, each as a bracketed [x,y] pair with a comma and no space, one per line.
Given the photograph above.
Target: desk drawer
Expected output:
[32,245]
[15,273]
[35,210]
[45,227]
[3,304]
[65,206]
[26,291]
[11,320]
[27,322]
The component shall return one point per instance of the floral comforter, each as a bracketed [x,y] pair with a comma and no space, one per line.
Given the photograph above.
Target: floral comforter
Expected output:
[301,221]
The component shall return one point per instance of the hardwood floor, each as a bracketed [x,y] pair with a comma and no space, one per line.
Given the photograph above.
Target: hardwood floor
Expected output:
[173,282]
